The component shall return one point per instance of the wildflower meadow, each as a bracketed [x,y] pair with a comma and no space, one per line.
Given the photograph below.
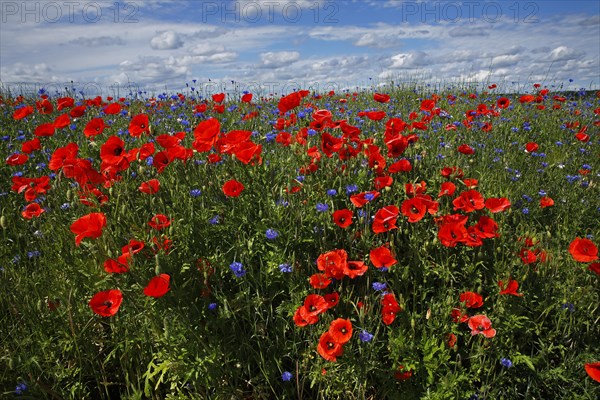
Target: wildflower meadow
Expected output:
[387,243]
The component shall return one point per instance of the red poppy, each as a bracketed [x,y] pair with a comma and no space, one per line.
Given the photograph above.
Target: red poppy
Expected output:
[158,286]
[160,161]
[22,112]
[376,115]
[150,187]
[355,268]
[303,318]
[400,166]
[496,205]
[466,149]
[106,303]
[89,225]
[381,98]
[458,316]
[31,145]
[94,127]
[206,135]
[471,299]
[511,287]
[382,257]
[469,201]
[232,188]
[112,153]
[390,308]
[414,208]
[342,218]
[447,189]
[159,221]
[403,375]
[289,102]
[332,299]
[45,130]
[328,348]
[31,186]
[480,324]
[526,98]
[17,159]
[583,250]
[118,266]
[333,263]
[112,108]
[247,98]
[531,147]
[341,330]
[360,199]
[385,219]
[593,371]
[32,210]
[503,102]
[218,97]
[138,125]
[546,202]
[451,339]
[77,111]
[133,247]
[486,228]
[594,267]
[383,182]
[319,281]
[64,102]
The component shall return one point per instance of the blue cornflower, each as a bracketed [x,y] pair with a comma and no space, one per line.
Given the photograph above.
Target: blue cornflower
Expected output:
[331,192]
[369,196]
[65,206]
[525,211]
[351,189]
[214,220]
[238,269]
[287,376]
[321,207]
[21,388]
[529,199]
[311,132]
[506,362]
[212,306]
[34,254]
[271,234]
[379,286]
[542,193]
[285,268]
[569,306]
[365,336]
[195,192]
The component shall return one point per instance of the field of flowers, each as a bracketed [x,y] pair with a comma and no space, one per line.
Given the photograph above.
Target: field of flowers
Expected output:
[396,243]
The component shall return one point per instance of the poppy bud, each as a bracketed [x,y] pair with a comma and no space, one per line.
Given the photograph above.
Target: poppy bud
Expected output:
[412,323]
[124,209]
[479,256]
[69,194]
[3,222]
[111,191]
[479,289]
[455,348]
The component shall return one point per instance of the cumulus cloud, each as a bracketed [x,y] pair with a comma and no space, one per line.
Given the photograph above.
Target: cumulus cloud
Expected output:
[564,53]
[506,60]
[167,40]
[410,60]
[206,49]
[464,31]
[378,41]
[278,59]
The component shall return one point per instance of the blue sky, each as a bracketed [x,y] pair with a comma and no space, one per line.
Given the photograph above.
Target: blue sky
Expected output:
[278,45]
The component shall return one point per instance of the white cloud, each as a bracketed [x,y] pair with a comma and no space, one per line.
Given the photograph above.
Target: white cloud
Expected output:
[410,60]
[278,59]
[564,53]
[166,40]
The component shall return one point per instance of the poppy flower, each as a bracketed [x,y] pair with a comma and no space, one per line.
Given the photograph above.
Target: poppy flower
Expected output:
[332,299]
[503,102]
[471,299]
[511,287]
[469,201]
[138,125]
[333,263]
[447,189]
[150,187]
[133,247]
[403,375]
[594,267]
[385,219]
[319,281]
[303,318]
[112,108]
[112,153]
[328,348]
[22,112]
[118,266]
[583,250]
[247,98]
[106,303]
[159,221]
[77,111]
[17,159]
[289,102]
[94,127]
[480,324]
[32,210]
[382,257]
[531,147]
[400,166]
[593,371]
[206,135]
[496,205]
[546,202]
[381,98]
[355,268]
[360,199]
[466,149]
[158,286]
[89,225]
[218,97]
[341,330]
[342,218]
[451,339]
[414,208]
[458,316]
[45,130]
[30,146]
[62,121]
[232,188]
